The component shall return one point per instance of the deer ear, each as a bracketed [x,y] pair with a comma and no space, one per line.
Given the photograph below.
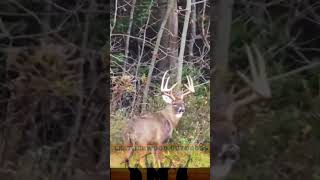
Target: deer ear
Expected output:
[167,99]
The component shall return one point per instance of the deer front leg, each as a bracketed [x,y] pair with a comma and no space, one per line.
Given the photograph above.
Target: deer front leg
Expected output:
[128,156]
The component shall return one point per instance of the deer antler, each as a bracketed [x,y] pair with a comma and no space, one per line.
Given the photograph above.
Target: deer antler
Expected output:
[190,87]
[164,86]
[259,83]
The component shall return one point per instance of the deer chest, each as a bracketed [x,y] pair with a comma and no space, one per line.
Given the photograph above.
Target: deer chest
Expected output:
[167,131]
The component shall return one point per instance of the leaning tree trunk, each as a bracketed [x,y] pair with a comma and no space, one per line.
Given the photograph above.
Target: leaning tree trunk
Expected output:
[155,55]
[183,41]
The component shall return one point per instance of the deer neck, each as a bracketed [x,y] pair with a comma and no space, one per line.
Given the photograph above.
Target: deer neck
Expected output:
[170,115]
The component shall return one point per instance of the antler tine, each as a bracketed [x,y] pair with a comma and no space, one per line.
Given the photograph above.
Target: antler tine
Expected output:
[258,83]
[167,82]
[162,81]
[164,85]
[190,87]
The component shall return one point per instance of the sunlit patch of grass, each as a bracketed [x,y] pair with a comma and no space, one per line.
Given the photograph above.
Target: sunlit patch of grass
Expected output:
[169,159]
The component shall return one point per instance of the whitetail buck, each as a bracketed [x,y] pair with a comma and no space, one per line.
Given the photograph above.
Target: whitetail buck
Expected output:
[226,104]
[156,128]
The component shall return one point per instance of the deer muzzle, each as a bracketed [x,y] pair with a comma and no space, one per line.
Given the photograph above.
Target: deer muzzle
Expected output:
[223,163]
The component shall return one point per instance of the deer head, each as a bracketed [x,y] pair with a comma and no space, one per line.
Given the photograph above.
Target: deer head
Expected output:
[225,141]
[175,102]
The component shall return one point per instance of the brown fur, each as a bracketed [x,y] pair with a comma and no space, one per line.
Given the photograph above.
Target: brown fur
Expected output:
[152,128]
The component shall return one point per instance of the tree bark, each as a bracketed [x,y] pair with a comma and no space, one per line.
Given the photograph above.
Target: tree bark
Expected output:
[222,16]
[126,50]
[155,55]
[221,36]
[193,28]
[170,39]
[140,58]
[79,109]
[183,41]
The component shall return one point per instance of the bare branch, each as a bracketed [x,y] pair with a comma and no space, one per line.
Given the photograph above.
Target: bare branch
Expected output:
[126,50]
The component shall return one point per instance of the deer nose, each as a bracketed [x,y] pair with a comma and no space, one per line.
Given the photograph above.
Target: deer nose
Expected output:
[181,110]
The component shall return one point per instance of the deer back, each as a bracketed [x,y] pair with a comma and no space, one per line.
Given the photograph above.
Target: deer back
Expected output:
[152,128]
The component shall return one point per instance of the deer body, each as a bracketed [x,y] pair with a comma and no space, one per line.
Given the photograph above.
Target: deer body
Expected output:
[152,129]
[156,128]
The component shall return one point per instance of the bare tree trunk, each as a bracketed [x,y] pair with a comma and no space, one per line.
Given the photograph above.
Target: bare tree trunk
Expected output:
[155,55]
[126,50]
[183,41]
[203,29]
[193,28]
[222,42]
[46,23]
[223,18]
[140,57]
[79,113]
[114,17]
[170,40]
[173,37]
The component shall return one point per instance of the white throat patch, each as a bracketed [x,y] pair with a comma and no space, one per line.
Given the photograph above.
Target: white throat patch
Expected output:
[179,115]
